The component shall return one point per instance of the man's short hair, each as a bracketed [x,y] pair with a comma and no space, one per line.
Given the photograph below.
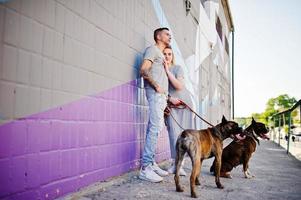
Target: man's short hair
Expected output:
[158,31]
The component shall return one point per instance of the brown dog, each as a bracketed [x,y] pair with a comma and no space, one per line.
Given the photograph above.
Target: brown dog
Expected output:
[202,144]
[240,152]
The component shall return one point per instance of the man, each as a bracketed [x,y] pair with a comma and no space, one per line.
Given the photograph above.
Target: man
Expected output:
[156,87]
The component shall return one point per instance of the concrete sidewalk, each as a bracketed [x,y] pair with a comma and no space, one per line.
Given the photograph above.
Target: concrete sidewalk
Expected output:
[278,176]
[294,148]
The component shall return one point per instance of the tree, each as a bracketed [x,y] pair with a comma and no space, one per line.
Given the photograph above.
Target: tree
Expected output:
[259,117]
[273,106]
[284,102]
[242,121]
[281,103]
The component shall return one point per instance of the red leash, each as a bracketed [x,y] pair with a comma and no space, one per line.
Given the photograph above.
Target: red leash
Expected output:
[183,105]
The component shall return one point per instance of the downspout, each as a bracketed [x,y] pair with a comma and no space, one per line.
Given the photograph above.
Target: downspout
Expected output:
[232,70]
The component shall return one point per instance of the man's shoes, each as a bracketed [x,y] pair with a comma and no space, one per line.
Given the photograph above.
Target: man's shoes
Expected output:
[158,170]
[172,169]
[149,174]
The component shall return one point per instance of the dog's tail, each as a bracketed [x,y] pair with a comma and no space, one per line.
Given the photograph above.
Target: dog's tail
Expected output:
[184,141]
[184,134]
[182,147]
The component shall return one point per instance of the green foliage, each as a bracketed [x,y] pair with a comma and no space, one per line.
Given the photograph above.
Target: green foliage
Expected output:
[296,120]
[286,129]
[284,101]
[273,106]
[259,117]
[243,121]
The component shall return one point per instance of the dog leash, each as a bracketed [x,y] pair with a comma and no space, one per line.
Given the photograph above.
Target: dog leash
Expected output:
[184,106]
[204,120]
[170,113]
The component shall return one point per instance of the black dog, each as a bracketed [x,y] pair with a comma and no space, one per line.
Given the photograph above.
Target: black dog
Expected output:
[240,152]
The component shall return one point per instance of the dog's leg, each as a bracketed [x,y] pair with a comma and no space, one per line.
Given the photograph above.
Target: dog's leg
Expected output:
[226,169]
[246,168]
[249,173]
[196,168]
[197,180]
[218,158]
[178,163]
[226,175]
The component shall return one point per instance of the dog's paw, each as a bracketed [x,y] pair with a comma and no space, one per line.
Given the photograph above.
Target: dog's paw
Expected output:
[193,195]
[228,175]
[197,182]
[179,189]
[249,176]
[219,185]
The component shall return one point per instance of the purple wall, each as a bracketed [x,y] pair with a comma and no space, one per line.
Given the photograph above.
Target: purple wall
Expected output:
[50,154]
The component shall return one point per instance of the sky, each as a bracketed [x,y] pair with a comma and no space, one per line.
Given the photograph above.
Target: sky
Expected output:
[267,52]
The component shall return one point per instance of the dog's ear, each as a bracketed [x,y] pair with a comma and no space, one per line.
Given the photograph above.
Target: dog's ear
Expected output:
[253,120]
[224,120]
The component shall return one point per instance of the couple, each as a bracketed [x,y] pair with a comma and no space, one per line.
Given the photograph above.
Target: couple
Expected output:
[164,81]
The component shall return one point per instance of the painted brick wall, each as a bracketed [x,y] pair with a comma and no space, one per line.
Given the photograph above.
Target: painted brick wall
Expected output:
[58,151]
[72,109]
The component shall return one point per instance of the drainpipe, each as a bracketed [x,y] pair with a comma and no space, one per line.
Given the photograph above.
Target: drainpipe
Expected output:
[289,132]
[232,30]
[279,129]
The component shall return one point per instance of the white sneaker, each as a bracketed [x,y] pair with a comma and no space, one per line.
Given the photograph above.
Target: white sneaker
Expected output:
[149,174]
[172,170]
[158,170]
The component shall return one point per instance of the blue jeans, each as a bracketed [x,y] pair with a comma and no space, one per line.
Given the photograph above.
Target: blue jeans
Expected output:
[157,103]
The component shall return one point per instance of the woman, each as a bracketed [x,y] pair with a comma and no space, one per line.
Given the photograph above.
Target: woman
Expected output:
[184,117]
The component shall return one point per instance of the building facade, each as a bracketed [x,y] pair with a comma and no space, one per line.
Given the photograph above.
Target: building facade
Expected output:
[72,105]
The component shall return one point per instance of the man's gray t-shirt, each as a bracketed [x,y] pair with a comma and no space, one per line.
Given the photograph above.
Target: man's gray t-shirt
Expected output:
[157,70]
